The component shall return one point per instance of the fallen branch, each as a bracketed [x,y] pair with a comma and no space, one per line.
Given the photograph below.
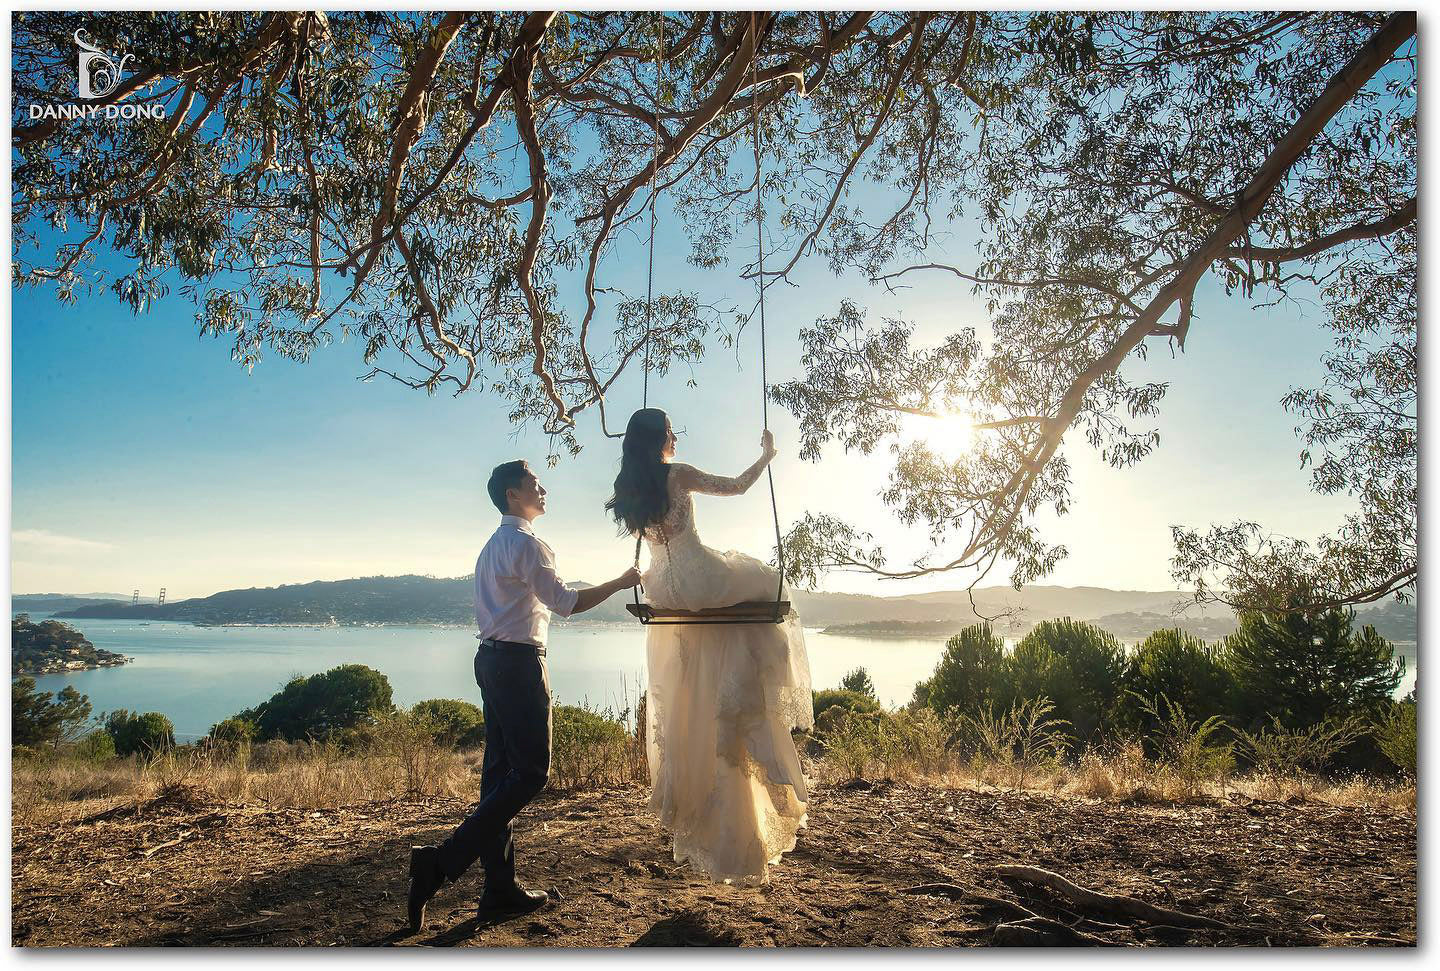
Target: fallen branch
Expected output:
[1112,904]
[175,842]
[1378,938]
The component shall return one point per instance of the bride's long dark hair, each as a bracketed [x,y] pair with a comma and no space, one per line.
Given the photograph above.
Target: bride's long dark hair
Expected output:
[641,498]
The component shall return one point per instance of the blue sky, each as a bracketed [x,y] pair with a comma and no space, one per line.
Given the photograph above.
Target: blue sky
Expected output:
[142,457]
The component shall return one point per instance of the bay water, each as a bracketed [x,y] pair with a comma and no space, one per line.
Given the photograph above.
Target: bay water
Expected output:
[198,676]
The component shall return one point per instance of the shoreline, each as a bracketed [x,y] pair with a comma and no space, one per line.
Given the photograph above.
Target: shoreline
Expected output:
[66,669]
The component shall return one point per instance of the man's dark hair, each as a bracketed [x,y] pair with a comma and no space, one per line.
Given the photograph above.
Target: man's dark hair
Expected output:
[508,475]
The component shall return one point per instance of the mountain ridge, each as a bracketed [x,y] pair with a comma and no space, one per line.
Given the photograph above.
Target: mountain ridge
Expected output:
[415,599]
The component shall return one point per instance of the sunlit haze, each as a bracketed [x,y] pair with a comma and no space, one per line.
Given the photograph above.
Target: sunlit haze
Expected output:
[144,458]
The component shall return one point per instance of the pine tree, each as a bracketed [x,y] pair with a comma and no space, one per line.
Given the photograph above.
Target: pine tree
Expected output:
[1306,667]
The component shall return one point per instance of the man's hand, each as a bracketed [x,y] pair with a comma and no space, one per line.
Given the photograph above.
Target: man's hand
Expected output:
[767,444]
[596,595]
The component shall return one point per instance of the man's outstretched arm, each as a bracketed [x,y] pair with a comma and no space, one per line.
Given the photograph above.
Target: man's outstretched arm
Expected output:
[596,595]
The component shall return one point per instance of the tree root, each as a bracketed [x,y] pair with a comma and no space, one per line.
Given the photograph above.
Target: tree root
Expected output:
[957,892]
[1116,905]
[1043,932]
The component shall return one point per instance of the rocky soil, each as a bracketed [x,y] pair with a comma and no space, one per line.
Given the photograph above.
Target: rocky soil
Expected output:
[889,865]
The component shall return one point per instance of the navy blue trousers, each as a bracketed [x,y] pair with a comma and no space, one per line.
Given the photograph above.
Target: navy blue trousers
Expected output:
[515,692]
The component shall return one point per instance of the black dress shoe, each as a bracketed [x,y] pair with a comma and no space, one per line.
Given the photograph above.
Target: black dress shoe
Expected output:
[425,879]
[512,900]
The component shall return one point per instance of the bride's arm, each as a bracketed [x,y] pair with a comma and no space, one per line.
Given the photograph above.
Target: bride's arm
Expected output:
[691,478]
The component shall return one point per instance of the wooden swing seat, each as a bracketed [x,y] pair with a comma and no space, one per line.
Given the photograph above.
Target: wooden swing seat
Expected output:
[749,612]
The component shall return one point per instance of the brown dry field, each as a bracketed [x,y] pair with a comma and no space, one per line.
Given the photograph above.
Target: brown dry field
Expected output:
[179,871]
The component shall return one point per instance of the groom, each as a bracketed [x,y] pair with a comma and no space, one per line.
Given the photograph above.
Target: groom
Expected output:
[516,587]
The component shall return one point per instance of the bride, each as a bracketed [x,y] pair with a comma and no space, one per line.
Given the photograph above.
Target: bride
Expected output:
[726,779]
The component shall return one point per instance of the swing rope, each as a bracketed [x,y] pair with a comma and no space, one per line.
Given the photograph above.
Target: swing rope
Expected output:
[654,192]
[760,277]
[747,613]
[650,272]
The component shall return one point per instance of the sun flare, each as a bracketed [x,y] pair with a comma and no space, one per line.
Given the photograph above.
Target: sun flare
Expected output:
[949,436]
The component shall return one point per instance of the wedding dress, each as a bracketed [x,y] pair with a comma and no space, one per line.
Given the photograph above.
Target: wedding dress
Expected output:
[726,779]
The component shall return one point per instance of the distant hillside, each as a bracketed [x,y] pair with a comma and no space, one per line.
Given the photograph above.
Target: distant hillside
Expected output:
[1138,625]
[1017,610]
[366,600]
[1392,621]
[47,603]
[1128,626]
[430,600]
[1395,622]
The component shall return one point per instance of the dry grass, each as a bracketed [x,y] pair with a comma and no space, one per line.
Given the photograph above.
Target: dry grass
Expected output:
[399,761]
[312,778]
[397,757]
[1118,772]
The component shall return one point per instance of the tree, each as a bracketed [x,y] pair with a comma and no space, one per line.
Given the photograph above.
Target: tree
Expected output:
[1125,160]
[321,705]
[231,736]
[839,701]
[33,720]
[1397,736]
[73,712]
[36,719]
[859,682]
[1077,666]
[136,734]
[43,647]
[1181,669]
[321,176]
[1302,669]
[968,675]
[457,724]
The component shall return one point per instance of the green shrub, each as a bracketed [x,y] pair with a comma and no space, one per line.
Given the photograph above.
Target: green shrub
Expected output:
[859,682]
[1277,753]
[587,747]
[458,724]
[1078,667]
[1304,668]
[97,748]
[969,674]
[1040,740]
[146,735]
[1192,751]
[1025,739]
[842,699]
[1184,670]
[332,704]
[31,755]
[408,741]
[853,740]
[1395,735]
[233,732]
[918,741]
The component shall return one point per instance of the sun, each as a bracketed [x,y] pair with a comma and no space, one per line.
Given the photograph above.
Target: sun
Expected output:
[950,436]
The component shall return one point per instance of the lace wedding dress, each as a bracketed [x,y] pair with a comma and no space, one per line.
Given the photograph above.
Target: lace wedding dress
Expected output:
[722,699]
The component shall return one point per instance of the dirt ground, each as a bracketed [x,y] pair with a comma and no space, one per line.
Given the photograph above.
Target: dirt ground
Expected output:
[180,872]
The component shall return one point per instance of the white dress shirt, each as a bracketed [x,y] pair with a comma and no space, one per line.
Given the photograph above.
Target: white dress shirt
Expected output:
[515,583]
